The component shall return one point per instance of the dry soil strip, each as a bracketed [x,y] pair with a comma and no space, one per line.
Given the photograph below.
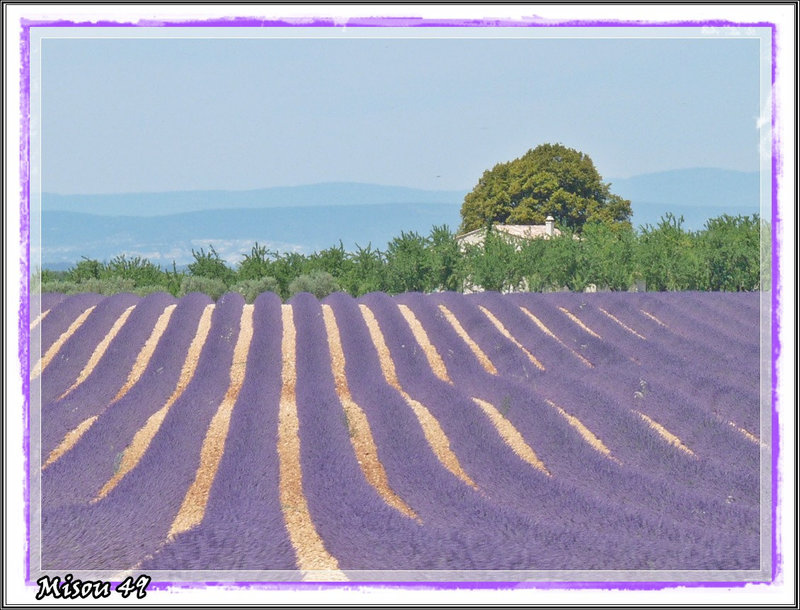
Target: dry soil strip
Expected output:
[550,334]
[652,317]
[101,348]
[308,546]
[628,328]
[511,436]
[482,358]
[361,437]
[143,359]
[194,503]
[748,435]
[434,359]
[579,322]
[587,434]
[39,318]
[666,434]
[51,353]
[69,441]
[499,325]
[434,434]
[141,440]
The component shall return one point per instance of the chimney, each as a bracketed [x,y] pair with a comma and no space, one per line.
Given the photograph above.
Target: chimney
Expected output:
[548,225]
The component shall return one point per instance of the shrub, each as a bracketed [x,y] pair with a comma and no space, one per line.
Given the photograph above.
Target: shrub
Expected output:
[143,291]
[365,272]
[318,283]
[86,269]
[250,289]
[210,265]
[255,265]
[732,252]
[140,270]
[213,287]
[107,286]
[408,264]
[60,286]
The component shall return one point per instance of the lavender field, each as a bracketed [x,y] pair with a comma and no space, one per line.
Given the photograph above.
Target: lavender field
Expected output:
[562,431]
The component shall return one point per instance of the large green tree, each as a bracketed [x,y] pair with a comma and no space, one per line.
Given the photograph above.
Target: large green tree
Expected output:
[549,179]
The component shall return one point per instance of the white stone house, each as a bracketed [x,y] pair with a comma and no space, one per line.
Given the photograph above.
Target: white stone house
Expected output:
[517,233]
[545,231]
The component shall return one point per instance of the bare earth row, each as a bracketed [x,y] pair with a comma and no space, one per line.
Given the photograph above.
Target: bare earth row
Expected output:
[415,432]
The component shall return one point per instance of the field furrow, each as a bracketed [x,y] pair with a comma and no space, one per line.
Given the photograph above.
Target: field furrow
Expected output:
[76,350]
[103,376]
[141,507]
[80,473]
[414,432]
[243,525]
[62,314]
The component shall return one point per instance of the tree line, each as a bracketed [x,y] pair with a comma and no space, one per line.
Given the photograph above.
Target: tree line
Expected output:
[728,254]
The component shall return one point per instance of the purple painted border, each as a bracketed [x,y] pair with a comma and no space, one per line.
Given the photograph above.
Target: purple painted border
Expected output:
[25,263]
[24,309]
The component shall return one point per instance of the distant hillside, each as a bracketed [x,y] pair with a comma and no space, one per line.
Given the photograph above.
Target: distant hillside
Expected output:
[326,194]
[67,236]
[698,194]
[166,226]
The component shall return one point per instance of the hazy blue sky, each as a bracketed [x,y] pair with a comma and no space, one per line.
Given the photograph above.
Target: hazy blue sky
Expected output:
[129,115]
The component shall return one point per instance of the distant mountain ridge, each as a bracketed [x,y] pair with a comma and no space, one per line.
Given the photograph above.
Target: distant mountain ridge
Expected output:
[67,236]
[176,202]
[166,226]
[697,194]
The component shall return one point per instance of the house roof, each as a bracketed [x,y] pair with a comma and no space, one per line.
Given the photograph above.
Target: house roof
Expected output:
[521,231]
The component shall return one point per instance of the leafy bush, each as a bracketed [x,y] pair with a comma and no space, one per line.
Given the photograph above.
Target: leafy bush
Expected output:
[447,263]
[61,286]
[213,287]
[732,251]
[255,265]
[107,285]
[494,264]
[668,256]
[210,265]
[86,269]
[364,271]
[408,264]
[250,289]
[143,291]
[607,255]
[140,270]
[318,283]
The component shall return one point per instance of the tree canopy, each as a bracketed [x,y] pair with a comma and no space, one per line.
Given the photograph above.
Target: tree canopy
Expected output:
[550,179]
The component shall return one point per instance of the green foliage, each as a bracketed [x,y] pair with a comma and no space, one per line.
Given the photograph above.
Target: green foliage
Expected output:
[494,264]
[668,257]
[447,263]
[408,264]
[732,251]
[105,286]
[255,265]
[549,179]
[140,270]
[318,283]
[213,287]
[61,286]
[365,272]
[553,264]
[250,289]
[607,255]
[88,268]
[143,291]
[210,265]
